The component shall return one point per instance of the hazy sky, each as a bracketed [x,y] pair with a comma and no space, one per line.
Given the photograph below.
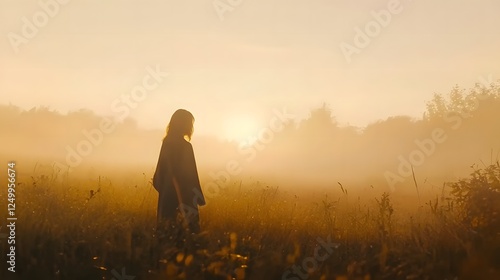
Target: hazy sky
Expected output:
[263,55]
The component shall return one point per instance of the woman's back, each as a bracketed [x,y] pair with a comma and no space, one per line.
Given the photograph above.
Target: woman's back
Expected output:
[176,176]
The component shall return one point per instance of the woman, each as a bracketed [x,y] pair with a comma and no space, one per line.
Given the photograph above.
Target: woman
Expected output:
[176,177]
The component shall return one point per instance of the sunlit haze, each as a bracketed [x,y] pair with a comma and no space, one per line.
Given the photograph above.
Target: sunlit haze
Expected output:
[253,74]
[332,139]
[257,57]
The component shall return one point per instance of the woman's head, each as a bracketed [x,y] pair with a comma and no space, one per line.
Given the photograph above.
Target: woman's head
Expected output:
[181,125]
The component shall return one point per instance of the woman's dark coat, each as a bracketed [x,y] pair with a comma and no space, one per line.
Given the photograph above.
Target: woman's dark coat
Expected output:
[178,156]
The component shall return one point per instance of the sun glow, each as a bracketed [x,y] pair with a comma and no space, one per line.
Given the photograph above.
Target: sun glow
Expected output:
[242,129]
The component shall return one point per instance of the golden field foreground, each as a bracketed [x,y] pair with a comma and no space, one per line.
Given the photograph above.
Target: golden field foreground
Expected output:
[70,228]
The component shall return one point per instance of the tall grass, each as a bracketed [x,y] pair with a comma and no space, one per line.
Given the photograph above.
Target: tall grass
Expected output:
[84,229]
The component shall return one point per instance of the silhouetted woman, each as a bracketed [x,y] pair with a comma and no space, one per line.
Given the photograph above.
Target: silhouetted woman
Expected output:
[176,177]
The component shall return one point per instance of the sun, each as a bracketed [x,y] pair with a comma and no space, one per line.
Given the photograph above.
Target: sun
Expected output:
[242,129]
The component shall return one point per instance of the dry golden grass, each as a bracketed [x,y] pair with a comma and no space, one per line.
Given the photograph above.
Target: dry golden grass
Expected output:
[72,228]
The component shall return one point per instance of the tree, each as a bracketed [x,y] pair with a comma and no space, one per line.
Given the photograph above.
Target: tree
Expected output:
[460,102]
[320,123]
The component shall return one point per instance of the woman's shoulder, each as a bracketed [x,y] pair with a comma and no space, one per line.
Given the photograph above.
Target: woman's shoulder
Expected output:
[177,142]
[186,144]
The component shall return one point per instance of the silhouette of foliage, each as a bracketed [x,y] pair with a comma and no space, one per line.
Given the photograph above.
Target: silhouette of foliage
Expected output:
[479,199]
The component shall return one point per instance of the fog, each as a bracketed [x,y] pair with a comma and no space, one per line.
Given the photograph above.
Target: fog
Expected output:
[459,132]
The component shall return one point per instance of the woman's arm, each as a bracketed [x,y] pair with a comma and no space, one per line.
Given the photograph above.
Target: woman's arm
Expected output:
[160,172]
[192,181]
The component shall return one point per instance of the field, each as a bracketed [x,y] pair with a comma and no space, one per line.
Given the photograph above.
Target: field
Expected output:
[74,228]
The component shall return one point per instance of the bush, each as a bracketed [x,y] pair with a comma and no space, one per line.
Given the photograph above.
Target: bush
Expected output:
[478,198]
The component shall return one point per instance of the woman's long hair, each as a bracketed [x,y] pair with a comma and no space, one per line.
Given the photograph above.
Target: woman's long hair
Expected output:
[180,125]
